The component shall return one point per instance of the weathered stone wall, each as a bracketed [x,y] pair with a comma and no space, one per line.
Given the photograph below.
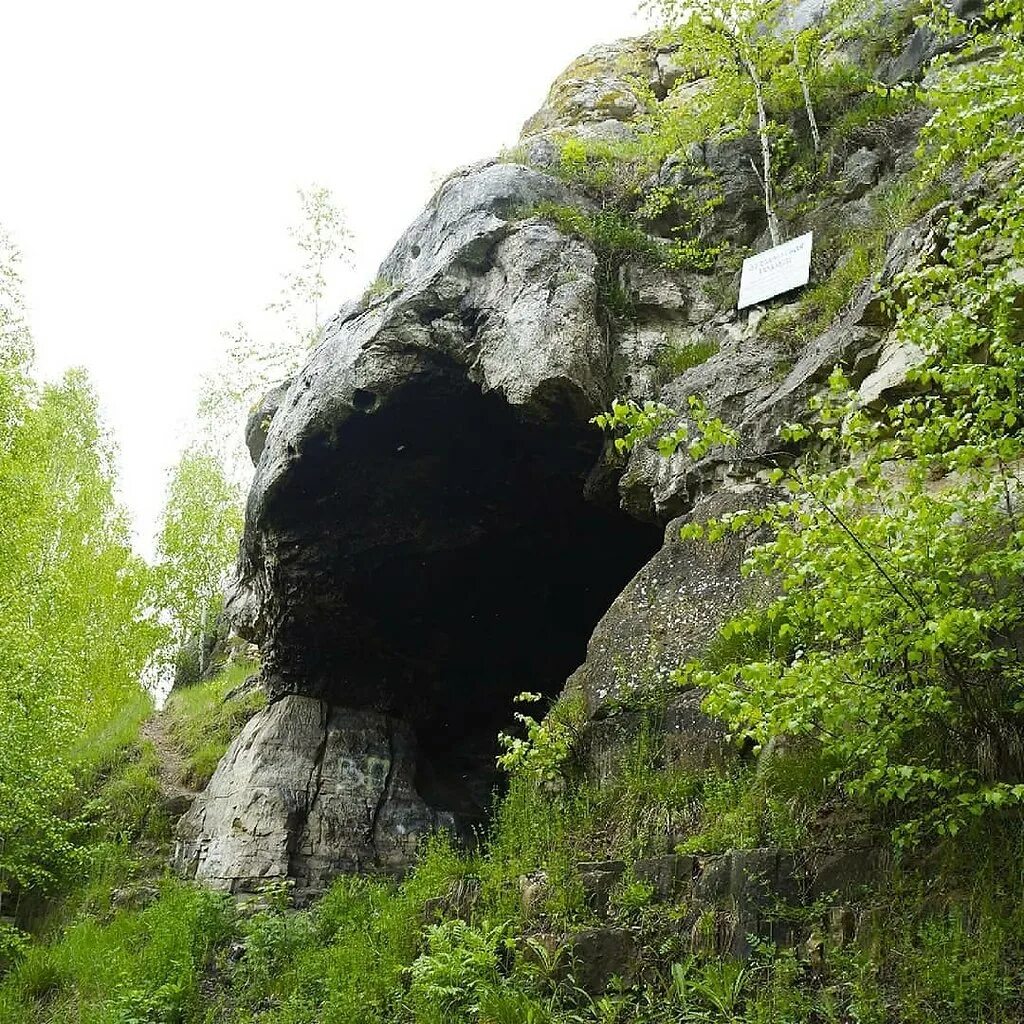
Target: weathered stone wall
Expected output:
[435,526]
[307,791]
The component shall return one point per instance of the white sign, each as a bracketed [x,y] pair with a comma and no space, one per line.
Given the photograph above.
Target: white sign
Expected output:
[777,270]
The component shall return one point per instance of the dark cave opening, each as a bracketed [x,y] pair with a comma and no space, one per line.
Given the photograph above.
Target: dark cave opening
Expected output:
[438,557]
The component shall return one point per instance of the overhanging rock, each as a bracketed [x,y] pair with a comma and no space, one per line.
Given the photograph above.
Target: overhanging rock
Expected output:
[426,536]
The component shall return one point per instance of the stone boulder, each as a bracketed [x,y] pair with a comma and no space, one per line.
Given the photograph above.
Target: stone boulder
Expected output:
[307,791]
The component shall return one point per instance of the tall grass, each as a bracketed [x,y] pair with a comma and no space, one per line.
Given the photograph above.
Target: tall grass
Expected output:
[203,720]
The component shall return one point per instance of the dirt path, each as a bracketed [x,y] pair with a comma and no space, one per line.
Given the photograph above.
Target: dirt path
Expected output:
[172,764]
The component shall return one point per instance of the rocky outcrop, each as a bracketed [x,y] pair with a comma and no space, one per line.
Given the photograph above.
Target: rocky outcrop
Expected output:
[611,82]
[666,616]
[260,417]
[307,791]
[435,526]
[426,534]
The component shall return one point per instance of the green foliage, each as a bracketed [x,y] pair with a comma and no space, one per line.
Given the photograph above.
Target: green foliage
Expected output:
[128,798]
[450,979]
[616,239]
[372,951]
[632,897]
[75,626]
[976,90]
[887,667]
[617,177]
[108,745]
[203,719]
[196,547]
[647,799]
[378,288]
[739,809]
[121,944]
[859,254]
[545,753]
[140,967]
[894,26]
[16,347]
[759,68]
[643,422]
[749,77]
[898,551]
[537,833]
[871,110]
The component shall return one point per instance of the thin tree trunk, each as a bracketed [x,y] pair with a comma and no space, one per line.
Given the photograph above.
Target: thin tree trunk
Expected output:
[202,643]
[766,153]
[806,89]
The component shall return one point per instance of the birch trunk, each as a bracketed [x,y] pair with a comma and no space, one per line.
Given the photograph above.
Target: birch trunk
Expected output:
[808,105]
[766,153]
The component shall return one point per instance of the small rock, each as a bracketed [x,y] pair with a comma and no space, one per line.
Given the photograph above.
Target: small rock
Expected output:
[844,872]
[533,890]
[669,875]
[762,879]
[134,897]
[176,806]
[599,878]
[602,954]
[842,926]
[714,878]
[860,173]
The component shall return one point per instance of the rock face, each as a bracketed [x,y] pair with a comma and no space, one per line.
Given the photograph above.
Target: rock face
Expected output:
[426,535]
[434,525]
[259,420]
[307,791]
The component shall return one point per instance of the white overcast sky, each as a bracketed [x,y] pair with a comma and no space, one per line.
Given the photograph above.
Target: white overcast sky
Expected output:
[149,156]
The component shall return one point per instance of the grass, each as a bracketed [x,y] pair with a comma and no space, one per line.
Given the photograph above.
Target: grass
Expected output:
[119,941]
[674,359]
[103,749]
[203,719]
[139,966]
[871,110]
[378,288]
[943,942]
[617,238]
[862,254]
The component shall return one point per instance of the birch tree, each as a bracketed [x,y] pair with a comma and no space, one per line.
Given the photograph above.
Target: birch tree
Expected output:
[257,357]
[734,43]
[197,545]
[75,623]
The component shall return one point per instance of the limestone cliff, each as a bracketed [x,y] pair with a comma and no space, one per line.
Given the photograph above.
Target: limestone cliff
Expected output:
[435,525]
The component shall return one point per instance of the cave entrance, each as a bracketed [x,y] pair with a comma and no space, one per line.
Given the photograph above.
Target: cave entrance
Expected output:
[443,558]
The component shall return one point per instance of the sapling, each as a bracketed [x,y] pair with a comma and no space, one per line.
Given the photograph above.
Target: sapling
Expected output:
[735,44]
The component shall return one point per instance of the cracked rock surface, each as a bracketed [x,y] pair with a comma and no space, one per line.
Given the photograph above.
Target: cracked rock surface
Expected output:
[307,791]
[434,526]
